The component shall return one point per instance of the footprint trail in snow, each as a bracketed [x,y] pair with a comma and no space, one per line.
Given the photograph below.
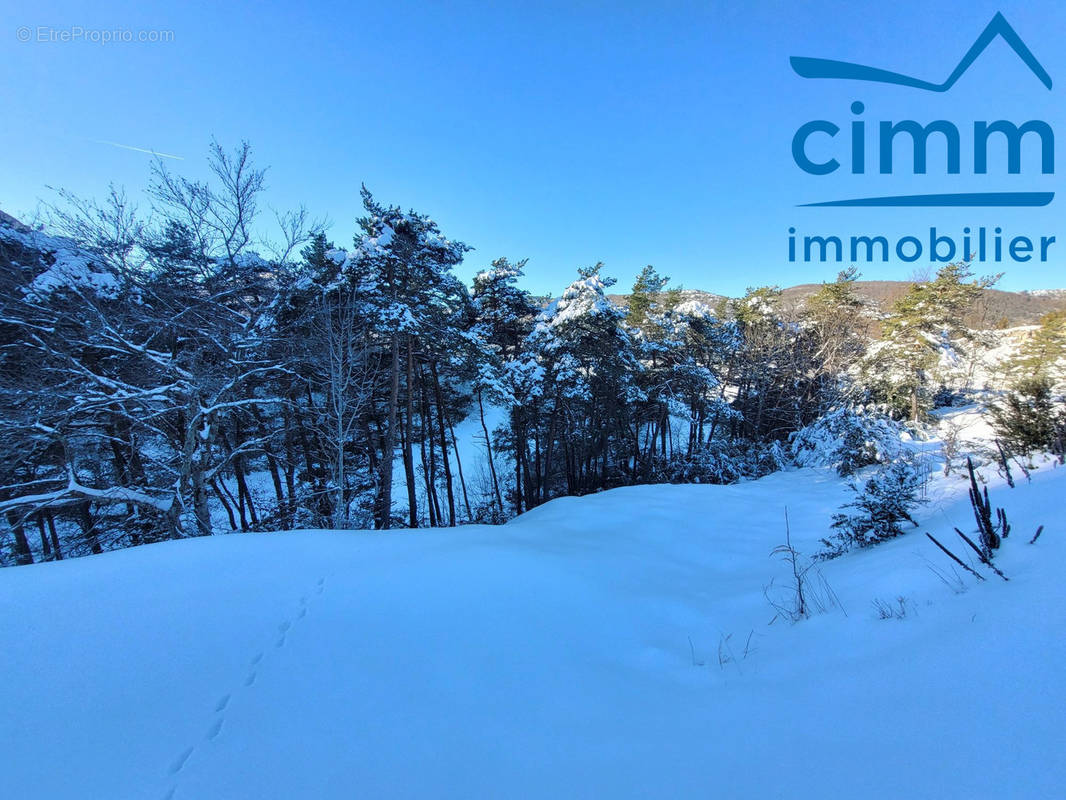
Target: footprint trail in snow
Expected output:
[214,729]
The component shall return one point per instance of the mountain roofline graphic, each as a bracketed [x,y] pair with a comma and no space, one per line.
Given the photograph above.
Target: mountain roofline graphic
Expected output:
[844,70]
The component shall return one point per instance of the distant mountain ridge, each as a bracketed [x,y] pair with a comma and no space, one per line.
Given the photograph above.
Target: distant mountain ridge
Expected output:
[996,308]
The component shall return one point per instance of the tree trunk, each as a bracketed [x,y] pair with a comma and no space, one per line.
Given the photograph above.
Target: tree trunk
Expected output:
[389,445]
[225,504]
[85,521]
[50,519]
[200,509]
[288,512]
[408,451]
[428,474]
[438,395]
[437,519]
[272,462]
[46,547]
[240,471]
[492,464]
[241,492]
[23,554]
[459,464]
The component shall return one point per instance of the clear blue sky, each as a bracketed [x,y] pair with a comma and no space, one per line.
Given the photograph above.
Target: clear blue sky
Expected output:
[567,132]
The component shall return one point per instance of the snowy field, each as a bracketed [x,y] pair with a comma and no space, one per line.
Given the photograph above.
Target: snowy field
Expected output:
[612,646]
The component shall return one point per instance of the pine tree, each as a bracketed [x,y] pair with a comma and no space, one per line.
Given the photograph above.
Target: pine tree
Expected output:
[924,323]
[644,296]
[505,311]
[319,266]
[590,363]
[1030,419]
[763,374]
[840,327]
[1043,355]
[882,504]
[402,267]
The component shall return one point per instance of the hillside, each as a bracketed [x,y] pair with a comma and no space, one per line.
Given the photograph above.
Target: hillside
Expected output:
[615,645]
[995,309]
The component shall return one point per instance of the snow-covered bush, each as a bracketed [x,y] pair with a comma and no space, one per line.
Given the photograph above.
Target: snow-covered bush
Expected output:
[880,505]
[721,462]
[1030,419]
[952,397]
[847,440]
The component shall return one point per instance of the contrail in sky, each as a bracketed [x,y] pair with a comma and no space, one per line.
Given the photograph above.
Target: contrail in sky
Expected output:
[140,150]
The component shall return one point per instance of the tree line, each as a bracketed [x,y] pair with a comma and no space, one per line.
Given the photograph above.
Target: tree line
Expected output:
[170,374]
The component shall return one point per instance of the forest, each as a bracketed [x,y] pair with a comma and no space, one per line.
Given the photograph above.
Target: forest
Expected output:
[157,365]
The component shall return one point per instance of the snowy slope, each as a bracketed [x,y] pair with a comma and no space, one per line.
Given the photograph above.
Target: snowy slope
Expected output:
[549,657]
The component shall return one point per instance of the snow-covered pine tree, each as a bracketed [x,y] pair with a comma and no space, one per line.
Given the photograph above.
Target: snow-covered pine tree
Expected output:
[838,323]
[1043,354]
[1031,419]
[590,364]
[401,266]
[503,310]
[882,503]
[926,326]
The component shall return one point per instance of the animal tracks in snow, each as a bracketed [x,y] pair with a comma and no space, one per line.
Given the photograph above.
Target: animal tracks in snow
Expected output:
[214,730]
[179,762]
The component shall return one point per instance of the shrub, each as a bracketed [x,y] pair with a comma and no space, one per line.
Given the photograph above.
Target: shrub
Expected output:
[847,440]
[1030,419]
[719,462]
[881,505]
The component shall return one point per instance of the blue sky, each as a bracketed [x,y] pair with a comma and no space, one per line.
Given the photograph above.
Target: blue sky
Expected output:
[568,133]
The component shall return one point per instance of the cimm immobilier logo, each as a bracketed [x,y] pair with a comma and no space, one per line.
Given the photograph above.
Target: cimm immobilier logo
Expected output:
[980,244]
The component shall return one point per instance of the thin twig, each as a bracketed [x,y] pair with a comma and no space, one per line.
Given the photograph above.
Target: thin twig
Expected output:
[955,558]
[692,649]
[984,559]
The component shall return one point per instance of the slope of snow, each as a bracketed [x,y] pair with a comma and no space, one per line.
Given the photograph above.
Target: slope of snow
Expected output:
[71,265]
[615,645]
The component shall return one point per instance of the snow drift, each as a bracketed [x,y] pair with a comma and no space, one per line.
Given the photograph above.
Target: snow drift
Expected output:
[615,645]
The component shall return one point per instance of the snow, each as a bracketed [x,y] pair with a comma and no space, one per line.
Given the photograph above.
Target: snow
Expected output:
[74,489]
[470,439]
[694,308]
[384,239]
[847,436]
[71,267]
[615,645]
[473,455]
[583,297]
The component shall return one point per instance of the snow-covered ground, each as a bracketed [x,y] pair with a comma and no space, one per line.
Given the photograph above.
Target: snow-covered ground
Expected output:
[616,645]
